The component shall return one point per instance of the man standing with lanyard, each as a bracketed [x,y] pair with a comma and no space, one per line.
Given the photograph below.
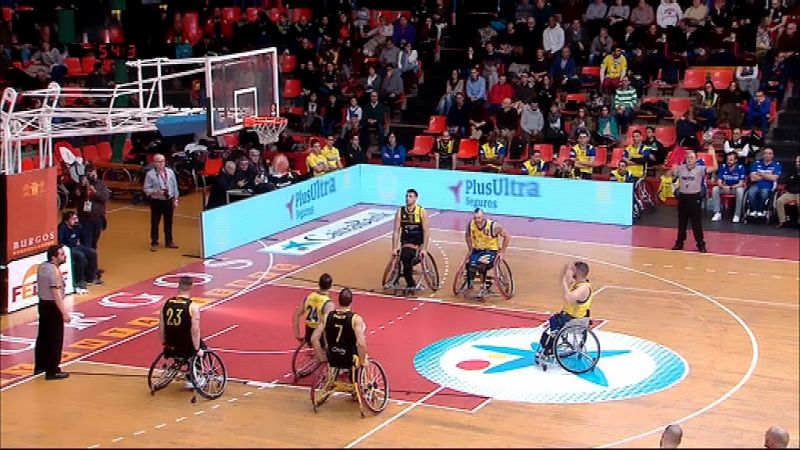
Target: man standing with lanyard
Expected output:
[691,178]
[52,315]
[161,185]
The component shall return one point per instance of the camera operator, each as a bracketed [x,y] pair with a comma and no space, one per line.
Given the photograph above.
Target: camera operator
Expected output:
[92,195]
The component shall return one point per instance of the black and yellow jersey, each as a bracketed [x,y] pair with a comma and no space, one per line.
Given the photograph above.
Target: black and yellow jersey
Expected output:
[411,231]
[340,335]
[581,307]
[313,305]
[176,316]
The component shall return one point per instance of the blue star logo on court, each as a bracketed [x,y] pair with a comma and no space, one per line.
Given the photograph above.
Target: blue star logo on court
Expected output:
[526,358]
[500,364]
[302,246]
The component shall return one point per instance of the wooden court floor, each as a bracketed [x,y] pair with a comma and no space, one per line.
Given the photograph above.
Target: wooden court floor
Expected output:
[733,319]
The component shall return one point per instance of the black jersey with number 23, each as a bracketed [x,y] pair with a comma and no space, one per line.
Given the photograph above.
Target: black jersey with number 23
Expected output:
[178,323]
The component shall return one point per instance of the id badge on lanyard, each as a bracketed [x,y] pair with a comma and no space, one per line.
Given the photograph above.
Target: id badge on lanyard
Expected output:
[87,206]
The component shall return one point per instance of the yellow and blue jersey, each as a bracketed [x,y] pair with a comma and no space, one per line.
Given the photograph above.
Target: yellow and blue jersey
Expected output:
[580,308]
[484,238]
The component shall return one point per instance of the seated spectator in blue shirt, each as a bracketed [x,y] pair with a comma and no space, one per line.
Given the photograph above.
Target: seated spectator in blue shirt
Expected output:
[622,175]
[764,174]
[476,86]
[84,258]
[393,154]
[731,179]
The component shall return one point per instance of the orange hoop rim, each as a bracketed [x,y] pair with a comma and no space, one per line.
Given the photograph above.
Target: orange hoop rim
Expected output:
[251,121]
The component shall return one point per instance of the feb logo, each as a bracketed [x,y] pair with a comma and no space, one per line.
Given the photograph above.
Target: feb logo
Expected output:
[26,290]
[500,364]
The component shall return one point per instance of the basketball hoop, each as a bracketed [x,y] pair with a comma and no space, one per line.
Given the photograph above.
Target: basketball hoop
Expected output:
[267,128]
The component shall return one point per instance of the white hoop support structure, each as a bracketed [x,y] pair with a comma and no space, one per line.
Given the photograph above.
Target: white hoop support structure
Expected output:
[268,129]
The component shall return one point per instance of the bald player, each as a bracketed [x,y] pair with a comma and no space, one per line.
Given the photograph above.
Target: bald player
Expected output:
[671,437]
[776,437]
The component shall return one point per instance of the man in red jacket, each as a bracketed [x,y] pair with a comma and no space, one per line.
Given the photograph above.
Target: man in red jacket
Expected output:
[502,90]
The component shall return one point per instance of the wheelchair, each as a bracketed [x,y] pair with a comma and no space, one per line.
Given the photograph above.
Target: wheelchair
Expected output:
[643,198]
[429,272]
[575,348]
[304,361]
[207,373]
[367,385]
[498,277]
[769,208]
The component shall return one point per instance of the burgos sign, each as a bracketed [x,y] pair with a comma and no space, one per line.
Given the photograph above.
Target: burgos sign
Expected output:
[485,194]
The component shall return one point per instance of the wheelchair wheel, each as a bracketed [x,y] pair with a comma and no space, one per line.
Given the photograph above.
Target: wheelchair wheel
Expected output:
[319,392]
[162,372]
[208,375]
[504,279]
[460,279]
[391,272]
[373,386]
[577,349]
[304,363]
[430,272]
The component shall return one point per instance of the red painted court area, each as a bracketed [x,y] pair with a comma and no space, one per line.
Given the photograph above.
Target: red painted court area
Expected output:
[260,347]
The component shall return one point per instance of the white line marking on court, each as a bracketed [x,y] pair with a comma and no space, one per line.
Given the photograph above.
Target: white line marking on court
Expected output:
[223,331]
[117,439]
[231,400]
[138,433]
[180,419]
[159,426]
[94,446]
[247,394]
[480,407]
[253,286]
[388,421]
[735,299]
[391,322]
[732,272]
[777,277]
[710,270]
[253,352]
[667,266]
[752,338]
[623,246]
[216,406]
[754,274]
[689,268]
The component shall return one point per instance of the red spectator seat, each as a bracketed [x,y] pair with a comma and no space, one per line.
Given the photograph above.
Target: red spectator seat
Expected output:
[116,35]
[563,153]
[8,14]
[436,125]
[616,157]
[468,149]
[211,168]
[600,156]
[298,162]
[191,19]
[108,66]
[232,13]
[678,106]
[127,148]
[641,128]
[522,158]
[296,110]
[28,164]
[694,79]
[288,64]
[646,115]
[87,64]
[74,68]
[547,151]
[104,152]
[667,136]
[275,14]
[90,153]
[72,98]
[292,88]
[423,145]
[252,14]
[676,157]
[707,158]
[231,140]
[722,78]
[593,71]
[297,13]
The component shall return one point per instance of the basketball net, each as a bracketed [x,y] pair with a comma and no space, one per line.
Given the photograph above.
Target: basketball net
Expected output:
[268,129]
